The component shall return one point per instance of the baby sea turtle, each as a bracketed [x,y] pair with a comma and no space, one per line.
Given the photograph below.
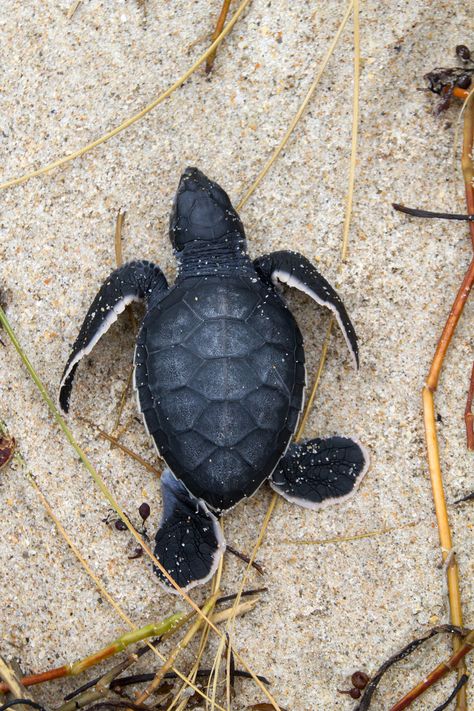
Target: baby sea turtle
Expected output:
[220,376]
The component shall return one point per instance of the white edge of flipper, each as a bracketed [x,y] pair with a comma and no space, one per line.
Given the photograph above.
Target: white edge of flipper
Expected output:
[292,281]
[220,550]
[115,311]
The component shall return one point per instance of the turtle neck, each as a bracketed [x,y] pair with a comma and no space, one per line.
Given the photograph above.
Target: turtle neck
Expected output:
[224,257]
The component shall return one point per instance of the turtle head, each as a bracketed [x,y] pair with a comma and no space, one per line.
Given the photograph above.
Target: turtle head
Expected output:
[202,212]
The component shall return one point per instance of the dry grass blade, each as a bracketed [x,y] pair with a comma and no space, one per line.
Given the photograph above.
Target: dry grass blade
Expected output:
[72,9]
[348,212]
[345,539]
[233,612]
[354,137]
[126,450]
[178,702]
[300,111]
[118,237]
[133,324]
[133,119]
[319,372]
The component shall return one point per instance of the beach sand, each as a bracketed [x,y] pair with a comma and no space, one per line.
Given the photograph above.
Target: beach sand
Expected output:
[331,607]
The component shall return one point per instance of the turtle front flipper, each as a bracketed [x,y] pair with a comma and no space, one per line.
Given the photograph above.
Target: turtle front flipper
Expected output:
[134,281]
[294,269]
[320,472]
[189,542]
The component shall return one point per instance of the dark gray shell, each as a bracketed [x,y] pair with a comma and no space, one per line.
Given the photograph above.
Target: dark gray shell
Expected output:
[220,378]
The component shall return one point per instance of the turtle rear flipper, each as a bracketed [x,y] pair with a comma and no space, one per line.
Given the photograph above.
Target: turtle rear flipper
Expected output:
[189,542]
[293,269]
[134,281]
[320,472]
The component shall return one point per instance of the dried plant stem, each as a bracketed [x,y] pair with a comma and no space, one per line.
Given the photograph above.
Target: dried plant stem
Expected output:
[72,9]
[354,137]
[347,215]
[171,624]
[216,582]
[118,237]
[110,498]
[300,111]
[429,413]
[435,465]
[468,175]
[468,415]
[133,323]
[345,539]
[441,670]
[309,405]
[126,450]
[220,24]
[182,644]
[133,119]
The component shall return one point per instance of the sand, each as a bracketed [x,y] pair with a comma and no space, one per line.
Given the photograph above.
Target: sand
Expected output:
[331,608]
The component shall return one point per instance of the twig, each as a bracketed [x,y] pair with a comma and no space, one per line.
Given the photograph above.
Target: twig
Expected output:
[121,705]
[245,558]
[133,119]
[441,670]
[126,450]
[216,33]
[429,410]
[134,679]
[245,593]
[469,497]
[468,416]
[365,701]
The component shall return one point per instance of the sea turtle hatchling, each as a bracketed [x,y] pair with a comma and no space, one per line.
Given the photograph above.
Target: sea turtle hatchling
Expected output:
[220,376]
